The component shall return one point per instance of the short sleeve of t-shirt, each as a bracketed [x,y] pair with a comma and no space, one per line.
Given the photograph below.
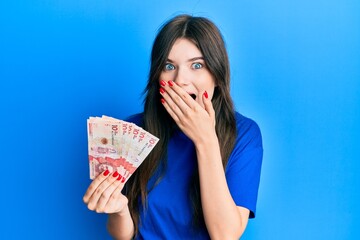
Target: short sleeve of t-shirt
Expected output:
[244,165]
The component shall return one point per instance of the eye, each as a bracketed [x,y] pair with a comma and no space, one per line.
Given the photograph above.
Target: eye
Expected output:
[196,65]
[169,67]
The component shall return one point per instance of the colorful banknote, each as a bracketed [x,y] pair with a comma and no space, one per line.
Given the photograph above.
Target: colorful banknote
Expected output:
[117,145]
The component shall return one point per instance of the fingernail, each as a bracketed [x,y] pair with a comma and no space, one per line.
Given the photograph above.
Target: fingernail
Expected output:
[162,90]
[206,95]
[123,180]
[163,83]
[162,101]
[119,178]
[106,173]
[115,174]
[171,83]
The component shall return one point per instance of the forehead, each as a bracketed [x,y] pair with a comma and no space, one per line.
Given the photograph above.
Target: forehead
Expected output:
[184,49]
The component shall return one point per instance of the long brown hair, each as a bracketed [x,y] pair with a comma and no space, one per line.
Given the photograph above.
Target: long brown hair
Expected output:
[207,37]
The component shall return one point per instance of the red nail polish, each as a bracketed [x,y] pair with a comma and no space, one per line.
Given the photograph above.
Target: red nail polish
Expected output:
[162,90]
[171,83]
[163,83]
[119,178]
[162,101]
[106,173]
[206,95]
[123,180]
[115,174]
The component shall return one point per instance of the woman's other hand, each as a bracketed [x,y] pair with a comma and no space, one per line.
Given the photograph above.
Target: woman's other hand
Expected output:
[196,121]
[104,193]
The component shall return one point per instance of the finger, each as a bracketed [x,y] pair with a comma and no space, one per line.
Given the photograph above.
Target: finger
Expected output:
[183,94]
[93,201]
[169,110]
[108,193]
[179,102]
[174,101]
[116,201]
[117,204]
[208,106]
[95,183]
[180,97]
[172,108]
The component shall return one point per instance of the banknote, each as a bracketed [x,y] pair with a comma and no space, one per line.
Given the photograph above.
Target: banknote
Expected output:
[117,145]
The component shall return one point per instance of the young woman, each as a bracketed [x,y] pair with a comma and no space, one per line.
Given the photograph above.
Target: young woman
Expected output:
[201,180]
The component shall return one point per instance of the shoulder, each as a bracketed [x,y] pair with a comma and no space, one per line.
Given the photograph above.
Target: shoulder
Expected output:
[137,118]
[248,131]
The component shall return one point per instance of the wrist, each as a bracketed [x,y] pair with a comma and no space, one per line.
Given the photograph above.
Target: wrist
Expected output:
[207,149]
[207,140]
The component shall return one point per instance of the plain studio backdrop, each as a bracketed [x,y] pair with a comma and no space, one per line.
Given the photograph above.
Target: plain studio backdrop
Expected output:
[295,69]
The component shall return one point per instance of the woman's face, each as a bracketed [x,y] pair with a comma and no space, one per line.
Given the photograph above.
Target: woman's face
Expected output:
[186,67]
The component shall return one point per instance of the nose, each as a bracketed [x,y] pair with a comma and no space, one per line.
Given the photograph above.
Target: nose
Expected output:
[182,77]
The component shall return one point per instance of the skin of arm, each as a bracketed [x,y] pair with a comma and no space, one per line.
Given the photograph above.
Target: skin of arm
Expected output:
[223,219]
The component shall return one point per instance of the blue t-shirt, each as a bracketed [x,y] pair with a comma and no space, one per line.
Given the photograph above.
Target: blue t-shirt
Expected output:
[169,212]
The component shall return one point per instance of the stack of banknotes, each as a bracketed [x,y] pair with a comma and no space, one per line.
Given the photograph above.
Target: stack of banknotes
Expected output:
[117,145]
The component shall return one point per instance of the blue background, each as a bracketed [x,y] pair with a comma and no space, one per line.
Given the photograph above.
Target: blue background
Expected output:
[295,70]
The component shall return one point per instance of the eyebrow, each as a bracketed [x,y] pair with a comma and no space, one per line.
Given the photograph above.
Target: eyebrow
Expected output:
[190,60]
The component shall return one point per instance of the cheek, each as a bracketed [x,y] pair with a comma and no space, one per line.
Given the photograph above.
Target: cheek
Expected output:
[205,82]
[166,76]
[161,77]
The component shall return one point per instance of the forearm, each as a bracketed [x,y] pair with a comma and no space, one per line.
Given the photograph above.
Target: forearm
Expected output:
[221,215]
[121,225]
